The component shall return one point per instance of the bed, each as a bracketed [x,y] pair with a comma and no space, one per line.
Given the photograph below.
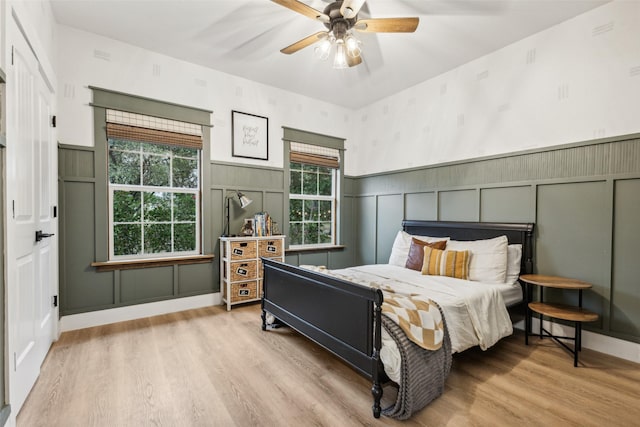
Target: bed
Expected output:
[352,328]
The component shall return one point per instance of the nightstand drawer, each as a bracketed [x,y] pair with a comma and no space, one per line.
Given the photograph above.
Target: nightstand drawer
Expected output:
[244,270]
[244,291]
[270,248]
[242,250]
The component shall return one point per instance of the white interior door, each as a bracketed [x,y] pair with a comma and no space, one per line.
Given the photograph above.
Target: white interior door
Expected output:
[31,267]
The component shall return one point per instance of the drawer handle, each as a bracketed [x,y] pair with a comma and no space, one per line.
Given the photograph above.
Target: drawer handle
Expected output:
[244,244]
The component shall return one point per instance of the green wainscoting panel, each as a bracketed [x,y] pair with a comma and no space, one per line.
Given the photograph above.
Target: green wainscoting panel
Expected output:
[81,288]
[423,206]
[458,205]
[76,162]
[390,216]
[625,312]
[292,258]
[216,198]
[146,284]
[573,239]
[507,204]
[366,225]
[243,177]
[195,279]
[274,204]
[346,257]
[3,399]
[238,215]
[313,258]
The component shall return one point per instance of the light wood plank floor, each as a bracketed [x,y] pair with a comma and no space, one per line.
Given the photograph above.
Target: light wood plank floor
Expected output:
[207,367]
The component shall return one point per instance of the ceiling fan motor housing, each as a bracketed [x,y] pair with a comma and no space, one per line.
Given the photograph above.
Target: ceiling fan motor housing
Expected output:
[338,23]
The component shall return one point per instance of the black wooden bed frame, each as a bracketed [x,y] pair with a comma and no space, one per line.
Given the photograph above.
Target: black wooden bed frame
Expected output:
[344,317]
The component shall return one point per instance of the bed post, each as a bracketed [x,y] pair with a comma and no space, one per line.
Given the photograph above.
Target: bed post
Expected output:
[376,390]
[263,315]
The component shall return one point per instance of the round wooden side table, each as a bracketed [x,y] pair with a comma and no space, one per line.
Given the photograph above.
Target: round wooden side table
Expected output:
[578,315]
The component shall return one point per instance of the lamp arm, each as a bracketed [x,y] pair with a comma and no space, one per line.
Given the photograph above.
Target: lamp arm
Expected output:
[227,216]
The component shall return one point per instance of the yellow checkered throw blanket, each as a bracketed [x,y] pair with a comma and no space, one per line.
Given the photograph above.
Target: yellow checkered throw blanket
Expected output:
[420,319]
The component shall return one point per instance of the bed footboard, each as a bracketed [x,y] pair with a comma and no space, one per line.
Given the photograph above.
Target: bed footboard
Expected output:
[340,316]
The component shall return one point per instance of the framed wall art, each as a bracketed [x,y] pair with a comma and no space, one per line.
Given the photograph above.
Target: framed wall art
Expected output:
[250,136]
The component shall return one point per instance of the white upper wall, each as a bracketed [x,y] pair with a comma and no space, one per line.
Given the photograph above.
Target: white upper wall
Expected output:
[577,81]
[86,59]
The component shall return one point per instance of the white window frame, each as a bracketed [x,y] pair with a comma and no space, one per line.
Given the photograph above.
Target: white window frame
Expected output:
[111,188]
[334,204]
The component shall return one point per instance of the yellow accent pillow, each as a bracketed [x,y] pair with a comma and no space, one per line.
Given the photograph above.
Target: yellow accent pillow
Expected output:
[446,263]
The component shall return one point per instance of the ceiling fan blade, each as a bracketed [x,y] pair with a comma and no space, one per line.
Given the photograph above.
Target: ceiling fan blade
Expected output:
[307,41]
[387,25]
[303,9]
[350,8]
[352,62]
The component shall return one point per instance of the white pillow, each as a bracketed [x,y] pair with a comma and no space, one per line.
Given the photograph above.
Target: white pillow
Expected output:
[514,256]
[488,258]
[401,245]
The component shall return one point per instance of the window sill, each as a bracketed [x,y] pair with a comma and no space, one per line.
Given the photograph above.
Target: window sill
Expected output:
[315,249]
[146,263]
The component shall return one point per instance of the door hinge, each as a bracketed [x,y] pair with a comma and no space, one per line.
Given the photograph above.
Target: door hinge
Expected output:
[55,211]
[11,55]
[53,121]
[13,209]
[55,300]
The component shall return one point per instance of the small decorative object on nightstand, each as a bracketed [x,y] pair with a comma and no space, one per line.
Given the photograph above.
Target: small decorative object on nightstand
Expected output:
[557,311]
[241,267]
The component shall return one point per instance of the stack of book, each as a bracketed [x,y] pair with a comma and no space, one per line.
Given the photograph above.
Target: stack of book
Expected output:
[262,224]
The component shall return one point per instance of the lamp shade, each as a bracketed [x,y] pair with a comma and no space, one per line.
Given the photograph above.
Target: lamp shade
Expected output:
[244,200]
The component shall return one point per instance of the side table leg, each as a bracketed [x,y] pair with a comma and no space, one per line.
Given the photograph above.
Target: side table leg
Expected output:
[577,344]
[540,318]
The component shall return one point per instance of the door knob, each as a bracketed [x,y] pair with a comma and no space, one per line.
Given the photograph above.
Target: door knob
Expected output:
[40,235]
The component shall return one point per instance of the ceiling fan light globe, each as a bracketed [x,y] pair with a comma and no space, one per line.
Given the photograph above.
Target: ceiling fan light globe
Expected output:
[353,46]
[323,50]
[340,60]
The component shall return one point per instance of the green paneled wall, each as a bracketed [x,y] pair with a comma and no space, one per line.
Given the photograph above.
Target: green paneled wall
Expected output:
[83,289]
[458,205]
[574,239]
[519,204]
[421,206]
[584,199]
[625,301]
[389,211]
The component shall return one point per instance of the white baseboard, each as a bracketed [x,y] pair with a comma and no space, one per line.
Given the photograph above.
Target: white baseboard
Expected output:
[138,311]
[604,344]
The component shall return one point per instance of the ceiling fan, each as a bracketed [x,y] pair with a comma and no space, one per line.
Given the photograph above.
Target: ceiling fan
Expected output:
[341,18]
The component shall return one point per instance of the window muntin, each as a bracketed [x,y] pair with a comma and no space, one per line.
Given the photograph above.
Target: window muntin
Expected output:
[312,205]
[154,199]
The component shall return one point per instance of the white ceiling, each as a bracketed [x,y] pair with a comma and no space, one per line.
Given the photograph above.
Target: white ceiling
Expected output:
[244,37]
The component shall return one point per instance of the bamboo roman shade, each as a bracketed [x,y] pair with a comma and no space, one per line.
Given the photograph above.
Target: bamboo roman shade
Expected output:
[155,130]
[314,155]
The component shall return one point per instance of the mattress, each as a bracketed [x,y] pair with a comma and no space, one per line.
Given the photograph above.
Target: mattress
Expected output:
[475,312]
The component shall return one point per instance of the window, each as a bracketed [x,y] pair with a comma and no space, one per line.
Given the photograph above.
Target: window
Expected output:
[313,189]
[154,187]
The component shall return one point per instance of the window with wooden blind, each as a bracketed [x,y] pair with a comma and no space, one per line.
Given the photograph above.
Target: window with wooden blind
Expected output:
[313,172]
[154,186]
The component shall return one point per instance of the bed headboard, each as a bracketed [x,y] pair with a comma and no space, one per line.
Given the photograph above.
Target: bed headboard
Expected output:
[516,233]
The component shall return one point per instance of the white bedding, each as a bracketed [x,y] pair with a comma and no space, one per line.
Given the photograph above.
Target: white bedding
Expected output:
[475,312]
